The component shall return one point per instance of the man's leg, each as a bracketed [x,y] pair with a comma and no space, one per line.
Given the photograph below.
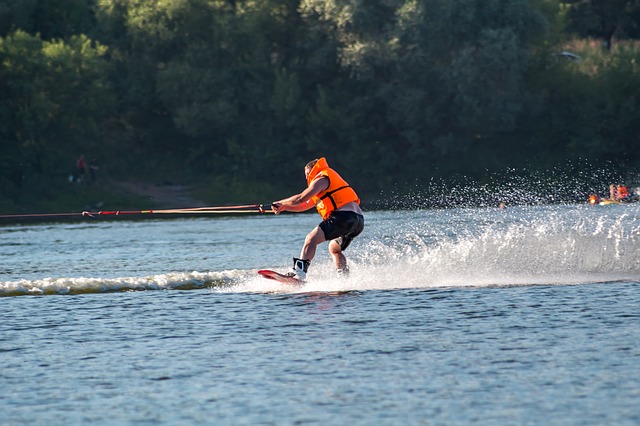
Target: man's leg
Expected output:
[315,237]
[336,253]
[308,252]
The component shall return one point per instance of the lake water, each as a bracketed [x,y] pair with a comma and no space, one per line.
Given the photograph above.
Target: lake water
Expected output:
[528,315]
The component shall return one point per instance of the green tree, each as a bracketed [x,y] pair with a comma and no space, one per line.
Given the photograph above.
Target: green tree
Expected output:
[51,19]
[54,94]
[603,19]
[198,71]
[449,77]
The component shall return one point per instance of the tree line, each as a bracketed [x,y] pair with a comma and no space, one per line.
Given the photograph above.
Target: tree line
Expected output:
[235,96]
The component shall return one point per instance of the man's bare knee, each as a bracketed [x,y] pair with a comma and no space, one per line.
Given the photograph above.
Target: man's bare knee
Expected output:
[334,248]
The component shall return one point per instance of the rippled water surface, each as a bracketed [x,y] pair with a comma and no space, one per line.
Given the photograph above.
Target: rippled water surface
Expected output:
[523,316]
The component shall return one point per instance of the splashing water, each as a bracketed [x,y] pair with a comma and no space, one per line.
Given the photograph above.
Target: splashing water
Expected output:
[539,245]
[569,183]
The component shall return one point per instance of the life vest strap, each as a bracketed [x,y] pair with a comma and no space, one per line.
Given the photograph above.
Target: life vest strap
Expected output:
[329,195]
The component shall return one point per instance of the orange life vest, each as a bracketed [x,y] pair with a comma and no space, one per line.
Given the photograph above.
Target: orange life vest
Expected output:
[337,194]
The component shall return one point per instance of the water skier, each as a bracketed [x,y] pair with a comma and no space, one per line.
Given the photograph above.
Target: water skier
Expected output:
[339,206]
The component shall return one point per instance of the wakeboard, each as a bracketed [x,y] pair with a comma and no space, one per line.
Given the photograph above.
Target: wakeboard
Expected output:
[285,279]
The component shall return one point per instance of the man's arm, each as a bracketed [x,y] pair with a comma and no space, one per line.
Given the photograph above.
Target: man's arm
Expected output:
[302,201]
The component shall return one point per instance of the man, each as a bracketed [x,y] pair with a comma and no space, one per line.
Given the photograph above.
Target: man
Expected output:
[81,166]
[339,206]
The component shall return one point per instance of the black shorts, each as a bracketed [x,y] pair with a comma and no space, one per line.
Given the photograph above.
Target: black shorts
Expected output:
[342,226]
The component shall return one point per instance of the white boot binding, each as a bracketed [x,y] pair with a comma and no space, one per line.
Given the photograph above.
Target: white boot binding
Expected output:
[343,272]
[300,268]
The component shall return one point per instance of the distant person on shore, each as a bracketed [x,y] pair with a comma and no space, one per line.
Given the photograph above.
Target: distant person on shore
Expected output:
[81,169]
[339,206]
